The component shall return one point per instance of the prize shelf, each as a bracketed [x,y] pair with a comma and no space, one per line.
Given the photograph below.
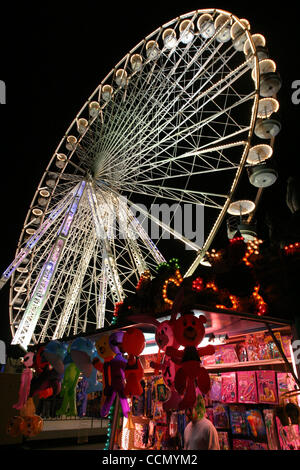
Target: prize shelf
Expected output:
[239,365]
[246,364]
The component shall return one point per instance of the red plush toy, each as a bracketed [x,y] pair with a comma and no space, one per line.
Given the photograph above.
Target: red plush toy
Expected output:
[189,332]
[133,343]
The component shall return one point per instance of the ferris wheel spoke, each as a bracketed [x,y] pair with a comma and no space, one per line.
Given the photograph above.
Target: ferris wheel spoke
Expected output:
[182,134]
[201,153]
[182,197]
[139,230]
[137,257]
[138,92]
[163,110]
[162,99]
[177,194]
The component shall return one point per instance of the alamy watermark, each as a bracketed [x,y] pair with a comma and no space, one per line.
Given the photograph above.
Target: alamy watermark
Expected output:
[159,221]
[296,93]
[2,92]
[2,352]
[296,351]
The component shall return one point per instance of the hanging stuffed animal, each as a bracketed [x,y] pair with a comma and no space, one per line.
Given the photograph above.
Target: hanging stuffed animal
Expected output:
[94,385]
[189,332]
[105,355]
[47,381]
[82,352]
[26,378]
[29,423]
[133,344]
[68,388]
[104,351]
[81,396]
[55,353]
[115,376]
[164,338]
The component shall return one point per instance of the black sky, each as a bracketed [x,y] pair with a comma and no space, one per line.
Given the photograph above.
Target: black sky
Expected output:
[54,54]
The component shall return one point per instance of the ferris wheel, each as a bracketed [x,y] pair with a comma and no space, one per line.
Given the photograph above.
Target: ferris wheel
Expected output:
[170,124]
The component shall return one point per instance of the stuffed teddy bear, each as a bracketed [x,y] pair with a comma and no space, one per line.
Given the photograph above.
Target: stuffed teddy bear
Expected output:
[189,332]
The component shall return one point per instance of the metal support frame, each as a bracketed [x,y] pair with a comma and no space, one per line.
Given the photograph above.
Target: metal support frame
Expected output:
[39,297]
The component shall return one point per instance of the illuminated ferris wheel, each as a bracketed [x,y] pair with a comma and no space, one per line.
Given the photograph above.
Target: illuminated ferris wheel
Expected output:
[171,123]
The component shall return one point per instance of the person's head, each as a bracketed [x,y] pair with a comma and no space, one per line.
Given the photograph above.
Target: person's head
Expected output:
[198,411]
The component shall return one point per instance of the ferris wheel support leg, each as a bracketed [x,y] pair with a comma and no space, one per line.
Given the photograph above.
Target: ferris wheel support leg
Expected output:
[108,258]
[74,290]
[31,243]
[39,297]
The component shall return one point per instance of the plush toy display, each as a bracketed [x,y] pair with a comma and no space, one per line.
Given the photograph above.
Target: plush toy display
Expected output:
[55,353]
[31,425]
[82,352]
[81,396]
[47,381]
[189,332]
[26,378]
[133,343]
[165,338]
[14,426]
[93,384]
[104,351]
[114,376]
[68,388]
[104,355]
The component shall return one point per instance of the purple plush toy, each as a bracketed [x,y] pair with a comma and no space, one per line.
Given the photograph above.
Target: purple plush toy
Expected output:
[117,383]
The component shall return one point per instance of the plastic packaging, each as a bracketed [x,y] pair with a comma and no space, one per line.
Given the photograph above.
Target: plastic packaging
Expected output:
[229,393]
[247,392]
[266,386]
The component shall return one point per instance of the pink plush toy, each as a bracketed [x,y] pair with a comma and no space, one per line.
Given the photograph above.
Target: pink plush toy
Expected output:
[164,338]
[25,381]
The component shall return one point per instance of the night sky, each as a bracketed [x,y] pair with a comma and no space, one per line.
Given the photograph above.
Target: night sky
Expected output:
[53,57]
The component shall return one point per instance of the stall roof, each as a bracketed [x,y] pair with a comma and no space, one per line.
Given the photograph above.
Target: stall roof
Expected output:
[218,322]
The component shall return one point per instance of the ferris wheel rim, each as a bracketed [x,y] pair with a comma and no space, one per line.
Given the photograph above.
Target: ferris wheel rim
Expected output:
[220,219]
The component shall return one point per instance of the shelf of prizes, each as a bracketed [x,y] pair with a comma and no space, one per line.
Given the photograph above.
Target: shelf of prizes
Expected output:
[253,400]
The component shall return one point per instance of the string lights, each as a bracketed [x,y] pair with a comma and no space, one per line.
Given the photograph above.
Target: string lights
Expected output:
[252,248]
[116,313]
[198,284]
[262,306]
[173,263]
[145,277]
[109,427]
[292,248]
[174,280]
